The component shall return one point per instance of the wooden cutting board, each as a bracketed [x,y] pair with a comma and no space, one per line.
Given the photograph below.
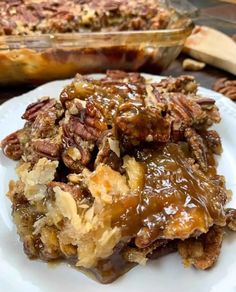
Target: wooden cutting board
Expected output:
[230,1]
[212,47]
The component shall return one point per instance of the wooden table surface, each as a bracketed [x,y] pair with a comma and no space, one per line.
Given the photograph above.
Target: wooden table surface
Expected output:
[218,14]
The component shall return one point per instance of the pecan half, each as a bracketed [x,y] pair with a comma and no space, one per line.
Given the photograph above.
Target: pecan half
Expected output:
[47,149]
[88,124]
[35,108]
[45,124]
[231,218]
[197,146]
[205,102]
[187,112]
[80,134]
[202,252]
[11,146]
[77,152]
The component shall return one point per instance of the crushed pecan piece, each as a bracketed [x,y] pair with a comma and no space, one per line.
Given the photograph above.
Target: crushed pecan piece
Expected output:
[109,151]
[212,140]
[80,88]
[50,248]
[169,247]
[75,158]
[141,255]
[184,84]
[145,237]
[231,218]
[75,190]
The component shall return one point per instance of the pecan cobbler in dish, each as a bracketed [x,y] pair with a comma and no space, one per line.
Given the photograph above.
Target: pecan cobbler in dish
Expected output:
[119,171]
[86,36]
[30,17]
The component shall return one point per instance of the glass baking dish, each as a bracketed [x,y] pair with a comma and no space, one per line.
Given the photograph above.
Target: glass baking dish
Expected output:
[37,59]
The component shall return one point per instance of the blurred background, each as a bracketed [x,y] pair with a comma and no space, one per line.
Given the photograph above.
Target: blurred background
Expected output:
[220,15]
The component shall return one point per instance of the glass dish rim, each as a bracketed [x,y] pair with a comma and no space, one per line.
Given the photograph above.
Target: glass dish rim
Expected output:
[164,37]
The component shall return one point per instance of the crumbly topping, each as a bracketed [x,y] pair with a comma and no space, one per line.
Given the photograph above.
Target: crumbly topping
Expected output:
[23,17]
[35,180]
[87,229]
[135,172]
[104,183]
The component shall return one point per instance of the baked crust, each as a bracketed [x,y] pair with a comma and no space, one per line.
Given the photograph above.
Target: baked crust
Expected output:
[36,67]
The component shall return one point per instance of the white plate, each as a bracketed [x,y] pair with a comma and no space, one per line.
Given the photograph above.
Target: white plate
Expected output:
[167,274]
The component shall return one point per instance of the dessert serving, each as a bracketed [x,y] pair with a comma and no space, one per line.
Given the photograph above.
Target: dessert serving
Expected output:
[66,37]
[120,171]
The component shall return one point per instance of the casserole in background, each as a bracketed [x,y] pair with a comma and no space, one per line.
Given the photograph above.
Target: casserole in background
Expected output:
[37,58]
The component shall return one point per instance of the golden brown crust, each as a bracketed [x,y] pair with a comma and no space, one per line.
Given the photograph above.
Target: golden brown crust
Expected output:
[29,66]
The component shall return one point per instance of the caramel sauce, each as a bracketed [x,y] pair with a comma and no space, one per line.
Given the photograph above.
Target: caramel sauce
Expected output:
[108,97]
[124,102]
[176,201]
